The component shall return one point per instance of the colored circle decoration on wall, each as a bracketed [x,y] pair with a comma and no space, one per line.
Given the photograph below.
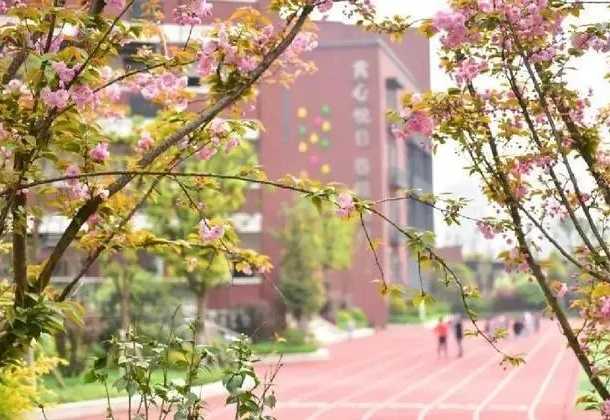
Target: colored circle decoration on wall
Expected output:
[315,126]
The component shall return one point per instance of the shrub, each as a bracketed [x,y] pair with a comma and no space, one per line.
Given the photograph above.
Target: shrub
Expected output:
[359,317]
[343,318]
[19,391]
[294,336]
[355,315]
[531,295]
[398,306]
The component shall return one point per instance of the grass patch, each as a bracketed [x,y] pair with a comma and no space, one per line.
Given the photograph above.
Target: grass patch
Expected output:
[270,347]
[76,390]
[414,319]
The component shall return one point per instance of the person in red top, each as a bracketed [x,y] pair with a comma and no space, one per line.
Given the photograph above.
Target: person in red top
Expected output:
[441,332]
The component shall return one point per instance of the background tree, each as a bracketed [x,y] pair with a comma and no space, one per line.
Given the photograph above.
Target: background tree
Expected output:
[142,299]
[176,210]
[337,240]
[300,272]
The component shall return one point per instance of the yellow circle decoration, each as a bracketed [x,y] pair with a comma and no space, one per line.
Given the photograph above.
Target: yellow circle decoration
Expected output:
[302,112]
[314,138]
[303,147]
[325,169]
[326,126]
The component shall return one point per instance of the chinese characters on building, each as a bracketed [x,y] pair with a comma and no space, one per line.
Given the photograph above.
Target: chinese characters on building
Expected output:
[361,115]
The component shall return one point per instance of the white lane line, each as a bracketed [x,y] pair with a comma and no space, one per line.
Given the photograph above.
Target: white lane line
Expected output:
[348,379]
[426,380]
[452,390]
[314,379]
[375,384]
[498,388]
[531,412]
[399,406]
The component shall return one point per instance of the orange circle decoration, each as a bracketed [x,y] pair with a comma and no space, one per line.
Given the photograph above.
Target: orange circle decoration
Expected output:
[302,112]
[303,147]
[325,168]
[303,174]
[314,139]
[326,126]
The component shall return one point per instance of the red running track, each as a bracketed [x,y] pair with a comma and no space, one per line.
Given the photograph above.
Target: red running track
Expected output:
[395,375]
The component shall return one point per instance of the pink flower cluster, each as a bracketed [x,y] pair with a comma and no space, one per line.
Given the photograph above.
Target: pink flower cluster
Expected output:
[54,99]
[194,13]
[346,204]
[488,230]
[416,123]
[208,232]
[218,132]
[100,152]
[469,69]
[165,87]
[145,142]
[453,22]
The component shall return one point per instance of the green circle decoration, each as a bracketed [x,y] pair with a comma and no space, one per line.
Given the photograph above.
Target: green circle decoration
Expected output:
[325,143]
[302,129]
[325,110]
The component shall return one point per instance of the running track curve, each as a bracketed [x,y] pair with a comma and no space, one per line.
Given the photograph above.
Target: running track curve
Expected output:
[396,375]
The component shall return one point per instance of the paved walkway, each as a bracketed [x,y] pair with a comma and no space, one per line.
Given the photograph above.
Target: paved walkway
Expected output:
[396,375]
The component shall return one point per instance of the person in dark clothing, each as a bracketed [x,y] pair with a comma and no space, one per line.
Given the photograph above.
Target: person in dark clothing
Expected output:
[518,327]
[458,330]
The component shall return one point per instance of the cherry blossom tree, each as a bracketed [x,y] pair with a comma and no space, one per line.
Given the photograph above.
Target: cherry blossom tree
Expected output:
[60,91]
[537,144]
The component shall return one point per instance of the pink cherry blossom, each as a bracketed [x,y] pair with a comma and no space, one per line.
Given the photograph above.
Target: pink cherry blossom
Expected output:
[207,232]
[562,291]
[81,95]
[100,152]
[231,144]
[94,219]
[346,204]
[65,73]
[72,170]
[57,99]
[145,141]
[14,85]
[325,6]
[216,126]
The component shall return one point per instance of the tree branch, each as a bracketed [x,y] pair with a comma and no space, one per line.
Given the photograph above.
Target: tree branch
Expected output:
[206,116]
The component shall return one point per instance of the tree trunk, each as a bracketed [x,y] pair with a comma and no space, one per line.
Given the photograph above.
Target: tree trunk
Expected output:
[200,331]
[125,310]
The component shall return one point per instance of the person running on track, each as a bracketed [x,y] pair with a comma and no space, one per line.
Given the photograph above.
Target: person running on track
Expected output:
[459,334]
[441,332]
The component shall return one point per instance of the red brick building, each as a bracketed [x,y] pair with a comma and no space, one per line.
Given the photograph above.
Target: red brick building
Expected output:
[331,126]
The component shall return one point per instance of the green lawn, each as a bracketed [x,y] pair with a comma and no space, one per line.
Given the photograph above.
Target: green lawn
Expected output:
[75,390]
[414,319]
[270,347]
